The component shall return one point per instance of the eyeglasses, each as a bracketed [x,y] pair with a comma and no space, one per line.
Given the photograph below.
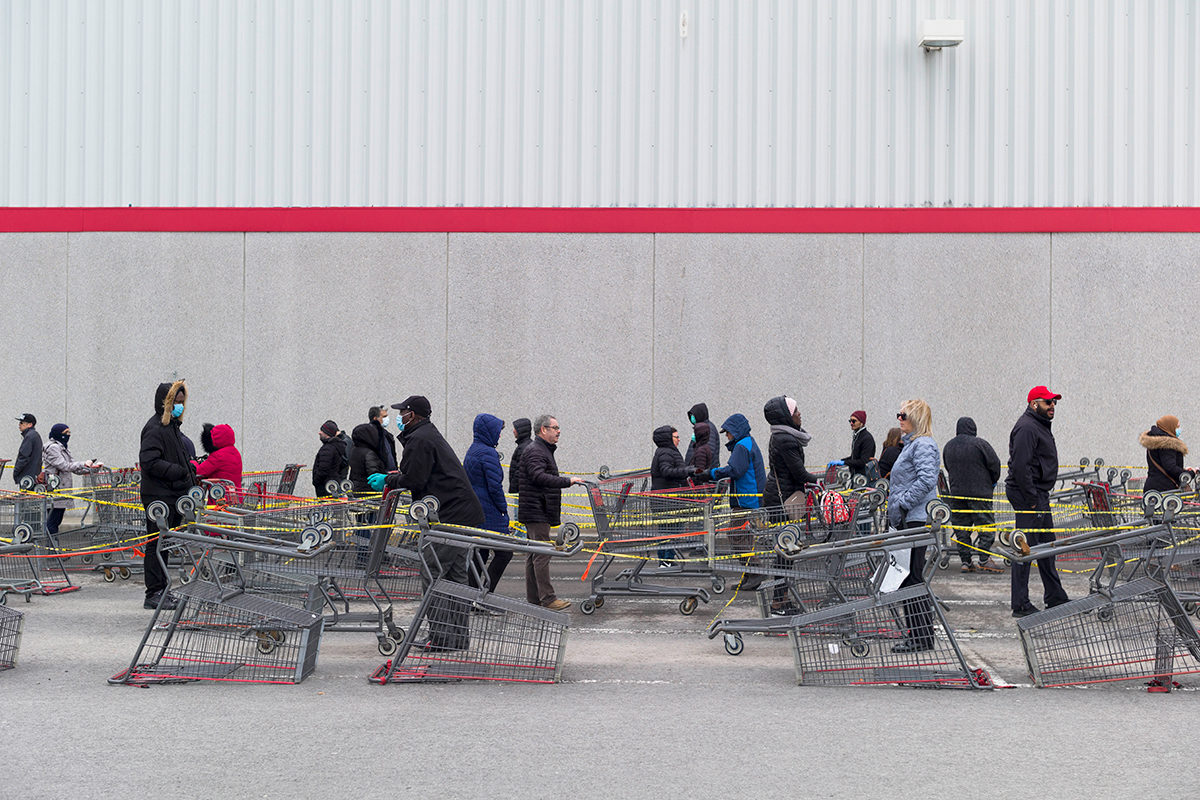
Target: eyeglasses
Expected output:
[554,427]
[902,416]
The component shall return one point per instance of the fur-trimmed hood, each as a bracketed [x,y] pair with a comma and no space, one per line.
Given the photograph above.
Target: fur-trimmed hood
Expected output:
[164,400]
[1158,439]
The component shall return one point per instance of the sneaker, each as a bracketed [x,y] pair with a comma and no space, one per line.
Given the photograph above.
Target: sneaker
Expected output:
[558,605]
[1026,611]
[169,604]
[987,566]
[912,646]
[967,567]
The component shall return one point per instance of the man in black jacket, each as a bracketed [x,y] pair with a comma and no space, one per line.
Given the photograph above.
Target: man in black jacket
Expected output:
[540,507]
[429,466]
[698,415]
[333,459]
[1032,472]
[862,444]
[29,457]
[522,432]
[386,446]
[167,474]
[973,469]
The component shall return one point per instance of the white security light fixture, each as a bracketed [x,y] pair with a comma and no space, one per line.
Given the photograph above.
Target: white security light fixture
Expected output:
[939,33]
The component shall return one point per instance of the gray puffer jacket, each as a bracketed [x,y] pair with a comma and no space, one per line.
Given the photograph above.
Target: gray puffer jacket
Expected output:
[58,462]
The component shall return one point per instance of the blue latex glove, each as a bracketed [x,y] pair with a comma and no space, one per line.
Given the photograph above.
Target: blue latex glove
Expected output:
[375,481]
[838,463]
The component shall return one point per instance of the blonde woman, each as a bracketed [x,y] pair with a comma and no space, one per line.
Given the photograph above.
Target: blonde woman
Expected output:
[913,484]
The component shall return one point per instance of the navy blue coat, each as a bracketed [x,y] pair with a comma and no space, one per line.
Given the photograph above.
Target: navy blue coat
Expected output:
[485,473]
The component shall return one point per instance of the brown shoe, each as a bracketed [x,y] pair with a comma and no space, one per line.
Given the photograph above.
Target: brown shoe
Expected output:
[987,566]
[558,605]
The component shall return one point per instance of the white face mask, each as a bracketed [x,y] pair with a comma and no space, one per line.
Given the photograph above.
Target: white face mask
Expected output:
[383,421]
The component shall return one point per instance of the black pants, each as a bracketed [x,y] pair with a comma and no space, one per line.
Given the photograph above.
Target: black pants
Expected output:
[156,576]
[918,613]
[1039,516]
[972,512]
[449,618]
[493,570]
[54,520]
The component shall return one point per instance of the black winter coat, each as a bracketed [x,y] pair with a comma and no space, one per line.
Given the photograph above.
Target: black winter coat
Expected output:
[29,457]
[667,470]
[332,462]
[862,450]
[163,457]
[1032,458]
[701,451]
[541,485]
[785,456]
[364,457]
[522,427]
[386,447]
[429,466]
[971,463]
[1168,451]
[699,413]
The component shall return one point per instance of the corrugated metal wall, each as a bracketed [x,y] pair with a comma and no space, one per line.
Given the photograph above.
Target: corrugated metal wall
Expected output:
[597,103]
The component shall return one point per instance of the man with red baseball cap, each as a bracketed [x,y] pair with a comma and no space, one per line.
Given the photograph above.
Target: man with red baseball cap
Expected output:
[1032,472]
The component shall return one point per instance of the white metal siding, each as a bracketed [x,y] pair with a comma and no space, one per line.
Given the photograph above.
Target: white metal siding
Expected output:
[597,103]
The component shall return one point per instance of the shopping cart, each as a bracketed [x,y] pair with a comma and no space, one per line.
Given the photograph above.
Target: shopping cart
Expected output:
[473,633]
[23,519]
[113,527]
[11,622]
[260,487]
[218,630]
[17,572]
[664,534]
[1131,625]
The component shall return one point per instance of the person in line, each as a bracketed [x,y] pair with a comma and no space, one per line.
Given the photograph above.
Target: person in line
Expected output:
[364,458]
[167,474]
[667,472]
[60,463]
[482,464]
[332,462]
[862,445]
[973,468]
[748,477]
[698,415]
[224,460]
[523,434]
[377,416]
[540,507]
[785,454]
[892,445]
[29,456]
[702,451]
[1032,473]
[1164,454]
[429,466]
[913,484]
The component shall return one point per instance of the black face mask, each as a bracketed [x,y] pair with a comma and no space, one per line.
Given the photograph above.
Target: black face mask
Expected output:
[64,438]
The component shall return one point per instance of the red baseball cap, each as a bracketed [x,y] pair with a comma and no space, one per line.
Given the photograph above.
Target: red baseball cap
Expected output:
[1042,393]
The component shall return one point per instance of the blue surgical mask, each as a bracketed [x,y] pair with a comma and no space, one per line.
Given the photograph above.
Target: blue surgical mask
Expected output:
[693,438]
[399,425]
[177,411]
[1178,430]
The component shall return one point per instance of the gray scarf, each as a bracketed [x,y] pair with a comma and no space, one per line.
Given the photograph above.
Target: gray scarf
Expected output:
[804,436]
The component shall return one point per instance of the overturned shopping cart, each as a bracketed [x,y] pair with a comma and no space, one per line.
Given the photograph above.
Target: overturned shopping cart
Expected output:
[464,633]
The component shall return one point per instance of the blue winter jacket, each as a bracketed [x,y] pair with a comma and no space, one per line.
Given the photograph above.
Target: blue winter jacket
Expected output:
[913,480]
[745,465]
[485,473]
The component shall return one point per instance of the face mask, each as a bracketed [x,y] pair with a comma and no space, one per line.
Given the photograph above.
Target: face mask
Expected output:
[692,418]
[399,425]
[693,438]
[1178,430]
[383,421]
[177,411]
[66,437]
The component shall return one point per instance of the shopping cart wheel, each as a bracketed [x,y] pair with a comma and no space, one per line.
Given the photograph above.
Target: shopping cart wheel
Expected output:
[186,505]
[688,605]
[266,644]
[22,534]
[1083,462]
[718,585]
[1172,504]
[325,530]
[1020,543]
[599,601]
[1190,608]
[27,483]
[787,540]
[883,485]
[158,511]
[938,512]
[734,644]
[332,487]
[944,561]
[277,636]
[859,648]
[52,483]
[1105,613]
[87,559]
[603,472]
[417,510]
[124,573]
[135,478]
[387,646]
[588,607]
[1099,462]
[196,493]
[346,486]
[216,492]
[569,534]
[858,481]
[1005,538]
[309,538]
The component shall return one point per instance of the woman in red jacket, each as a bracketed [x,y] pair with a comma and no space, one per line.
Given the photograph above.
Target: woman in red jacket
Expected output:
[224,462]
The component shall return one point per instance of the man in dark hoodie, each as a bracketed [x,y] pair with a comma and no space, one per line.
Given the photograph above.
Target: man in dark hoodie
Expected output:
[364,457]
[333,459]
[167,474]
[429,466]
[386,446]
[973,469]
[667,471]
[698,415]
[702,451]
[523,433]
[1032,472]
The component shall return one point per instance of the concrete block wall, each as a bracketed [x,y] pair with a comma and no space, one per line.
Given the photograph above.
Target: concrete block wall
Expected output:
[613,333]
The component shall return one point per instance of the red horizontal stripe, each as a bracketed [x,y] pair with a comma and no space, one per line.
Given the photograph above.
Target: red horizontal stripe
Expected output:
[606,220]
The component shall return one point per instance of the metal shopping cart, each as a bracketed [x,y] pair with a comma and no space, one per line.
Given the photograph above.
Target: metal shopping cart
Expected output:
[17,572]
[11,622]
[218,631]
[473,633]
[1131,625]
[23,518]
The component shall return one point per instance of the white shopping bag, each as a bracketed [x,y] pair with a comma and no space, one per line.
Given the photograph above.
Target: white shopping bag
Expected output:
[895,568]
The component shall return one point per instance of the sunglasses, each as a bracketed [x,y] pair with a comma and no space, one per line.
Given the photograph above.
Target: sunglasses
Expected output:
[902,416]
[1048,402]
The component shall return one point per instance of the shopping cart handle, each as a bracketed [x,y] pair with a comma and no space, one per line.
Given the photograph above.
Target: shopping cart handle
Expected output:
[15,549]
